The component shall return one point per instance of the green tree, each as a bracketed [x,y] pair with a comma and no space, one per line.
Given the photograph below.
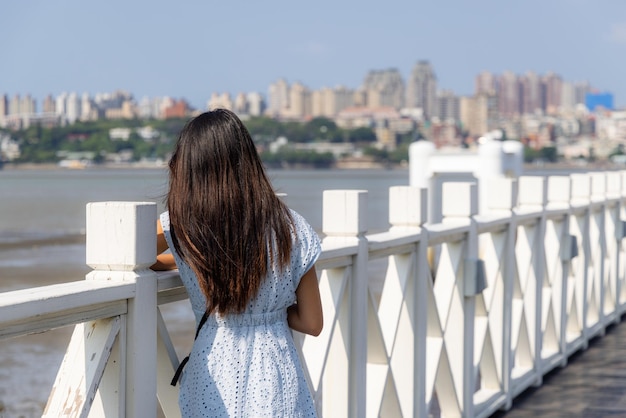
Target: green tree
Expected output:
[360,135]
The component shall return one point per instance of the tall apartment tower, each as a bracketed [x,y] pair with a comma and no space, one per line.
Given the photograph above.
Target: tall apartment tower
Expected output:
[568,96]
[448,106]
[28,105]
[580,91]
[278,97]
[61,104]
[323,103]
[256,104]
[421,91]
[508,93]
[328,102]
[299,101]
[552,84]
[88,111]
[4,106]
[384,88]
[485,83]
[73,110]
[531,93]
[14,105]
[240,105]
[49,105]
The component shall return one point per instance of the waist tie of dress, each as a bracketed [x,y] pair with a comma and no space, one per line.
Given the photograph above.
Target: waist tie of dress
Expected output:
[247,320]
[233,320]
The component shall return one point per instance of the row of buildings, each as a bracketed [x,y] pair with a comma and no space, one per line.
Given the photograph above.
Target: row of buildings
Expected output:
[532,107]
[20,112]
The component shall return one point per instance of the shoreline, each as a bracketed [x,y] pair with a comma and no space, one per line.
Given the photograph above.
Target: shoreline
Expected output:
[69,239]
[339,166]
[141,166]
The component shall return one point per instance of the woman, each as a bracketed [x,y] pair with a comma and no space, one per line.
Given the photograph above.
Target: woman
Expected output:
[247,261]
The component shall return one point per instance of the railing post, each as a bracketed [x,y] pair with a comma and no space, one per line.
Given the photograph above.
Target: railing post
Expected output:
[345,222]
[614,233]
[559,196]
[597,229]
[460,202]
[532,199]
[420,175]
[502,199]
[579,225]
[121,246]
[408,213]
[621,270]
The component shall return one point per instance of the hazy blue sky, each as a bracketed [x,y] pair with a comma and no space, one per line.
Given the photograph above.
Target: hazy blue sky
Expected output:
[192,48]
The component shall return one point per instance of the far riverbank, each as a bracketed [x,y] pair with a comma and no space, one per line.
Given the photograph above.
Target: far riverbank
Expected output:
[342,165]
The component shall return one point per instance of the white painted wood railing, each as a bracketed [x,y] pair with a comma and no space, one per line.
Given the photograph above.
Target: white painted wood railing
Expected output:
[449,319]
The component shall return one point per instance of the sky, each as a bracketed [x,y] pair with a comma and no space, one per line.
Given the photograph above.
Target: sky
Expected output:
[192,48]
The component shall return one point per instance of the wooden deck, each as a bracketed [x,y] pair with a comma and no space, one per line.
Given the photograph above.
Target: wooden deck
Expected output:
[592,385]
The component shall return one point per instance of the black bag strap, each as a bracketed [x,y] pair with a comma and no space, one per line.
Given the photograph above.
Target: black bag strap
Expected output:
[181,366]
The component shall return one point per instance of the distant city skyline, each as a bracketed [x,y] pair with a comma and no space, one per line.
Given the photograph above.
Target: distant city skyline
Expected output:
[435,94]
[190,50]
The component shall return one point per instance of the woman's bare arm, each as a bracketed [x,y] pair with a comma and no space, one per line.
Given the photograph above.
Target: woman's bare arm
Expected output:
[306,315]
[163,261]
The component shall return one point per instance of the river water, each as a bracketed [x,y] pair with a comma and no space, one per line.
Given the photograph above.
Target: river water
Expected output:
[42,226]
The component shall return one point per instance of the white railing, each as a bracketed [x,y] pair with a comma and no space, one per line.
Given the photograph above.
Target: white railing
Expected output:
[449,319]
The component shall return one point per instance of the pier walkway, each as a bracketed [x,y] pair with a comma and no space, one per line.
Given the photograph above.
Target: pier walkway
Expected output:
[468,315]
[592,385]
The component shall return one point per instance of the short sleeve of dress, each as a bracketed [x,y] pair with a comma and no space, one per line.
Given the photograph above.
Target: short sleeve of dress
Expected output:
[196,297]
[307,248]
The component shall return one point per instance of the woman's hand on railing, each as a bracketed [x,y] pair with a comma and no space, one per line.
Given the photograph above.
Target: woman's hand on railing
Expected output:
[164,262]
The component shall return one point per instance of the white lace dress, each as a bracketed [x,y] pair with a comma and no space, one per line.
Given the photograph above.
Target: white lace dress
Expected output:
[246,365]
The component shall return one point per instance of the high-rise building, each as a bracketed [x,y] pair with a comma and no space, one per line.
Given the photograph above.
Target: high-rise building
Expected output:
[343,98]
[240,106]
[508,93]
[448,106]
[28,105]
[384,88]
[49,105]
[485,83]
[319,103]
[552,84]
[580,91]
[73,109]
[299,101]
[4,106]
[14,105]
[278,97]
[531,93]
[21,105]
[256,104]
[88,110]
[421,91]
[568,96]
[61,105]
[329,102]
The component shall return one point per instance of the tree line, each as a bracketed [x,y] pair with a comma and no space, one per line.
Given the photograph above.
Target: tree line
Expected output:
[40,144]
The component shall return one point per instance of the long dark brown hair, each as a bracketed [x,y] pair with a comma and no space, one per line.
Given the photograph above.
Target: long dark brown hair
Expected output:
[226,221]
